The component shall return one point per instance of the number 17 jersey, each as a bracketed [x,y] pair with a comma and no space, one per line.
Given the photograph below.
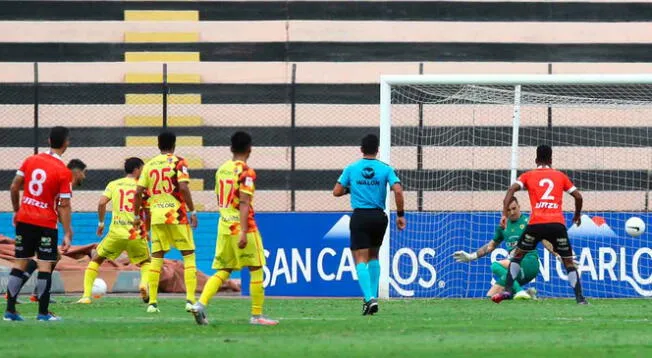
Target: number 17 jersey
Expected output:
[231,179]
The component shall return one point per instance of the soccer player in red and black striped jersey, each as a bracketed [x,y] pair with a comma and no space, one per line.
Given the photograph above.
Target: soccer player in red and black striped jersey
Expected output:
[545,187]
[47,190]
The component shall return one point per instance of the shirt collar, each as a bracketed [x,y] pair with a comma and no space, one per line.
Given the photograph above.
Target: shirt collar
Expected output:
[55,155]
[543,167]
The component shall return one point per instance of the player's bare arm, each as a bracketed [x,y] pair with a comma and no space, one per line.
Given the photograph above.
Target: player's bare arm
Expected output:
[65,216]
[340,190]
[463,256]
[184,189]
[401,223]
[14,190]
[138,203]
[245,202]
[577,217]
[101,214]
[509,195]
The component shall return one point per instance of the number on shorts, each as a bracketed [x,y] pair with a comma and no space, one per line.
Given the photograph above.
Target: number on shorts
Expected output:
[226,187]
[551,185]
[35,185]
[127,200]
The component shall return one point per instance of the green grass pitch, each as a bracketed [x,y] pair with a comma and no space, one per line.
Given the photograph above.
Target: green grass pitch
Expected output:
[119,327]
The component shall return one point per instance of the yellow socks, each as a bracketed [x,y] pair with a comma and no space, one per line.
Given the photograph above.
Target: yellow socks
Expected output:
[213,285]
[257,292]
[89,277]
[190,276]
[153,278]
[144,274]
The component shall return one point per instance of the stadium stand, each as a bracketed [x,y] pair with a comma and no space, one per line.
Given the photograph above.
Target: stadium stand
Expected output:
[230,66]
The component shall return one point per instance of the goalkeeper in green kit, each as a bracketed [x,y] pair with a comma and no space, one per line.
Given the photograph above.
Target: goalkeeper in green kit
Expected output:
[509,234]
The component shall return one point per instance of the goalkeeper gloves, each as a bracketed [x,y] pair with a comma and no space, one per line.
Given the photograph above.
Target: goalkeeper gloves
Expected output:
[463,256]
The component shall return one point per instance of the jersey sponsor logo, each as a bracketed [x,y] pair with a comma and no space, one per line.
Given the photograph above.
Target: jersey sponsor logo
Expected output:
[368,182]
[368,172]
[544,205]
[164,205]
[34,202]
[249,181]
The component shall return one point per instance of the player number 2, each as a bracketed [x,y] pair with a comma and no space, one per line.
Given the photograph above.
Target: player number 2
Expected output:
[158,176]
[127,200]
[226,187]
[35,185]
[550,184]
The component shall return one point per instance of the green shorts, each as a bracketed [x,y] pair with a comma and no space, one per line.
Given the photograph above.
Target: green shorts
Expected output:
[529,271]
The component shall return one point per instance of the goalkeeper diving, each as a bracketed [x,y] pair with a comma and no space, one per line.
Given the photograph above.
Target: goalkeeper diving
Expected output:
[509,233]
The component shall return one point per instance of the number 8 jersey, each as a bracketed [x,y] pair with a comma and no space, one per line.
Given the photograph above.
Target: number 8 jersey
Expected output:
[232,178]
[46,179]
[546,187]
[161,177]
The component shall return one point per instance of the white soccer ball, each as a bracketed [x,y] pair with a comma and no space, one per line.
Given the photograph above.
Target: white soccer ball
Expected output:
[635,226]
[99,288]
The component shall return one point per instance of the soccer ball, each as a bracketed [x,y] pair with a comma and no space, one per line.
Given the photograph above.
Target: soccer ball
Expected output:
[99,288]
[635,226]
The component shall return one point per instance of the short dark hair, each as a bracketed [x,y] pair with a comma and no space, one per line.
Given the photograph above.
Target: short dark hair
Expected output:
[513,199]
[58,137]
[240,142]
[76,164]
[167,140]
[370,144]
[544,154]
[132,164]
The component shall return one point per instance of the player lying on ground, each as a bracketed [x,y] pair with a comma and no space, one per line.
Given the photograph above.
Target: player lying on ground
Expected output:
[166,180]
[122,235]
[47,189]
[238,241]
[545,187]
[78,169]
[509,231]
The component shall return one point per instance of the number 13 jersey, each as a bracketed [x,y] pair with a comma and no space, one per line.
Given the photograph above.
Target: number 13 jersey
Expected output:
[161,177]
[121,192]
[546,186]
[46,180]
[231,179]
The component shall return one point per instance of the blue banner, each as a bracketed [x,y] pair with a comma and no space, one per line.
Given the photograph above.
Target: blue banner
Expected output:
[313,259]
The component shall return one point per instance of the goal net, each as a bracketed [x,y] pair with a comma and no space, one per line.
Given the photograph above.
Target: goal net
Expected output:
[458,142]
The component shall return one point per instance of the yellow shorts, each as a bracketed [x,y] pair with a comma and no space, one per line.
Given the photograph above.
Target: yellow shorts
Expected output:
[112,246]
[229,256]
[166,236]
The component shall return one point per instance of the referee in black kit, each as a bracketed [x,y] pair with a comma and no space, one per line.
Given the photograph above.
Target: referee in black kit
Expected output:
[366,180]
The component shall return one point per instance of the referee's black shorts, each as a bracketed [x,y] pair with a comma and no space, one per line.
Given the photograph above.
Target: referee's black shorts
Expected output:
[367,228]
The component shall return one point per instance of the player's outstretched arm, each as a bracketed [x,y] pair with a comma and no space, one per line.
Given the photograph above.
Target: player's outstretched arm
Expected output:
[101,214]
[14,191]
[509,195]
[401,223]
[184,189]
[65,216]
[577,218]
[463,256]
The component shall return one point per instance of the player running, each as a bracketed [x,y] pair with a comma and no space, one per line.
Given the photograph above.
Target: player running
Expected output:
[165,178]
[545,187]
[238,240]
[122,234]
[367,180]
[508,233]
[47,190]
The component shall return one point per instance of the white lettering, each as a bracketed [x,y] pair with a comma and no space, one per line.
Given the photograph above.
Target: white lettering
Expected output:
[635,262]
[425,264]
[346,265]
[411,266]
[281,267]
[266,272]
[303,265]
[320,264]
[607,265]
[586,263]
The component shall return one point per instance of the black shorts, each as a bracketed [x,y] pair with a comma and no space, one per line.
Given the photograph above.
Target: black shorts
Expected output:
[553,232]
[36,240]
[367,228]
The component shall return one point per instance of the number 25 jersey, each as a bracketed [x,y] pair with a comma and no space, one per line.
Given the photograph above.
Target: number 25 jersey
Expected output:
[161,177]
[546,187]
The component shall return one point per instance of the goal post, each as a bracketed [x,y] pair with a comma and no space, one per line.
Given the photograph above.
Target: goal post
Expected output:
[476,133]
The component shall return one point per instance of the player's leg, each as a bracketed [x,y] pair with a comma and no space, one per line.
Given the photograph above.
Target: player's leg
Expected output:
[29,270]
[562,246]
[160,246]
[90,274]
[224,262]
[138,253]
[27,237]
[47,254]
[526,243]
[373,264]
[254,258]
[360,244]
[499,269]
[184,242]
